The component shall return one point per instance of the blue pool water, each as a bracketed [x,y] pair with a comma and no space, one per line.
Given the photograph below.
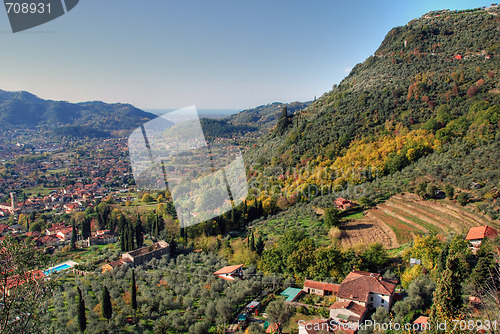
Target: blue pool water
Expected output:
[57,269]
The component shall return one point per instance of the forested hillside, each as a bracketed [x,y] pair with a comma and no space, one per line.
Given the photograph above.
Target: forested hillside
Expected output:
[430,90]
[22,110]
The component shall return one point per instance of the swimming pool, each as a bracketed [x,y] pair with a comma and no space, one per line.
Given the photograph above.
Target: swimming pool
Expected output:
[57,269]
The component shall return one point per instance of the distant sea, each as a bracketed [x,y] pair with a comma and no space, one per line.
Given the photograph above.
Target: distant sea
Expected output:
[203,113]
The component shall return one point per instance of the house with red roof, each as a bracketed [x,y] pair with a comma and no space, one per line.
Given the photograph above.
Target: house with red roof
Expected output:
[54,229]
[321,326]
[314,326]
[230,273]
[367,289]
[347,312]
[343,204]
[422,322]
[47,240]
[477,234]
[64,234]
[320,288]
[14,282]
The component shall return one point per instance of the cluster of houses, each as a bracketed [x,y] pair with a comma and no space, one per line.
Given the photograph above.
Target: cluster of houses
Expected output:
[82,180]
[358,295]
[72,198]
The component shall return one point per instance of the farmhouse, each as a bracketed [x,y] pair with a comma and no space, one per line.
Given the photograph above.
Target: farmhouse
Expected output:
[343,204]
[115,264]
[477,234]
[230,273]
[320,288]
[367,289]
[64,234]
[101,239]
[145,254]
[54,229]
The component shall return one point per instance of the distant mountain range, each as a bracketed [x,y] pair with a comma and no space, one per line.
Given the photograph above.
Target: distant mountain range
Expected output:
[23,110]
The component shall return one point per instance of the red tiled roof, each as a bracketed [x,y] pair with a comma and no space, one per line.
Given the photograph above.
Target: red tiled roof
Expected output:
[15,281]
[56,227]
[66,230]
[321,286]
[481,232]
[47,239]
[311,329]
[228,269]
[358,285]
[351,306]
[421,320]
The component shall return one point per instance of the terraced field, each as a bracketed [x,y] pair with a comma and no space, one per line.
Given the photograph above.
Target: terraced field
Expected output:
[396,221]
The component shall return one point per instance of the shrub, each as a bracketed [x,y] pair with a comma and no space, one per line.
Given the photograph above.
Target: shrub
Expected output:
[463,198]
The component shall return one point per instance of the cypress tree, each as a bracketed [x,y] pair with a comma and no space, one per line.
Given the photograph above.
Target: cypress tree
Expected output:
[259,246]
[86,227]
[130,237]
[134,291]
[122,224]
[138,234]
[107,310]
[252,243]
[447,302]
[82,319]
[283,121]
[73,237]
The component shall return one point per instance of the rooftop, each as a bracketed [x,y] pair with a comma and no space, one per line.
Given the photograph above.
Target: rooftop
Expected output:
[359,284]
[228,269]
[291,293]
[321,285]
[148,249]
[481,232]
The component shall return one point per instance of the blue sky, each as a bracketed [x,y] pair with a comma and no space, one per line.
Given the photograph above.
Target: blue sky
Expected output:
[213,54]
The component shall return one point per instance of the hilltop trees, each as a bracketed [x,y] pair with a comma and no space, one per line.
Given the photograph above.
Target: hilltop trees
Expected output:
[283,122]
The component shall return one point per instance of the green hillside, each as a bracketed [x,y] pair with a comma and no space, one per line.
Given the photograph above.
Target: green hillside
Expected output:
[430,90]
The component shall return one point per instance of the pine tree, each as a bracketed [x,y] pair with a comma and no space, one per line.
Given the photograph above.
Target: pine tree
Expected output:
[73,237]
[82,319]
[107,309]
[134,291]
